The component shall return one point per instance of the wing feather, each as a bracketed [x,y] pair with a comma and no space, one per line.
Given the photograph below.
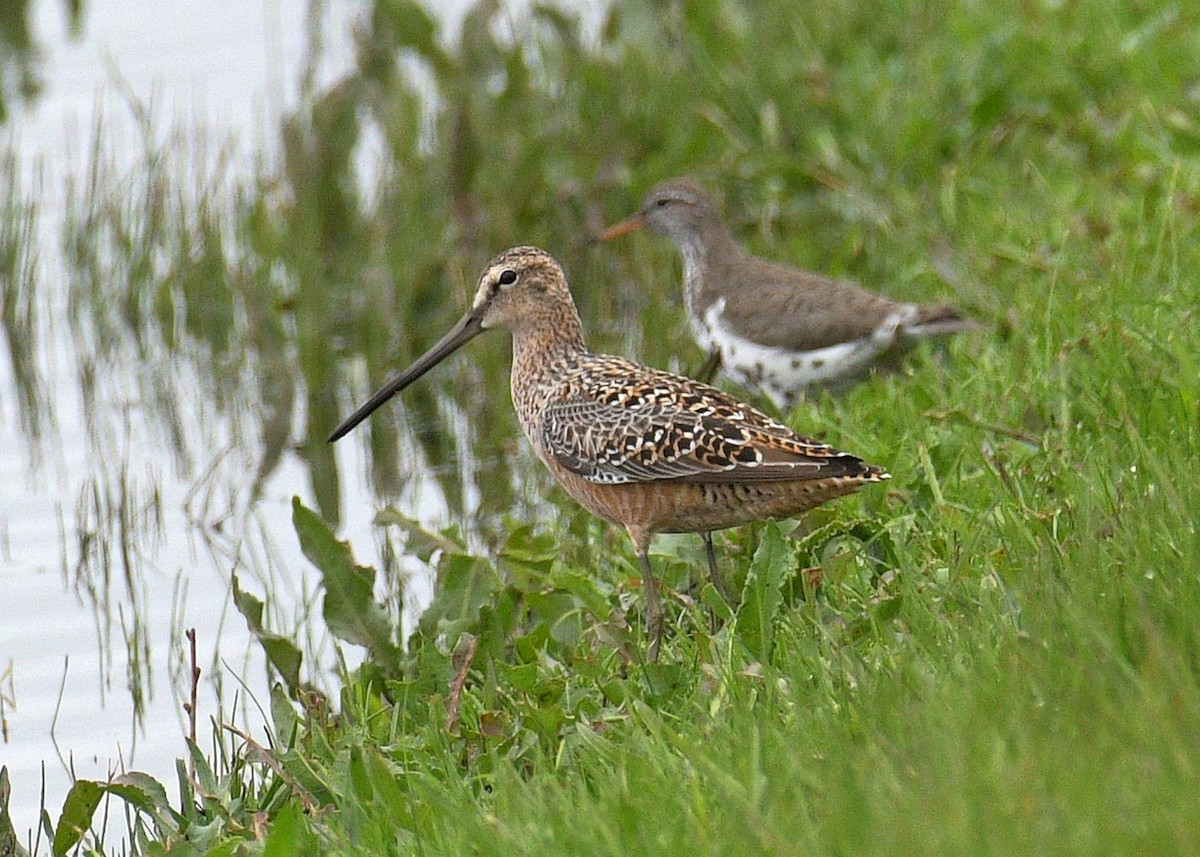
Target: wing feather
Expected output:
[617,422]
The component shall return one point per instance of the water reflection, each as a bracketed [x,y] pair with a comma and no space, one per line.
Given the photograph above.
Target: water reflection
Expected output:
[19,306]
[151,403]
[20,56]
[118,523]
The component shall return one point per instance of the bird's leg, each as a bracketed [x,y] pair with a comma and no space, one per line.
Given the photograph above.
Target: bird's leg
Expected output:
[713,575]
[654,614]
[708,369]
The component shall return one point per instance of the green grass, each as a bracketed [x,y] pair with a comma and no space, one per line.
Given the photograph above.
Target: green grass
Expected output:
[1003,655]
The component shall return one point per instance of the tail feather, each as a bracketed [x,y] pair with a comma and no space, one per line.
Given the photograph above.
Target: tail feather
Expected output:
[940,320]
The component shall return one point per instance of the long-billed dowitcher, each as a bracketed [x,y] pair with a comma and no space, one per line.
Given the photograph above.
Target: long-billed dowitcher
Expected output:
[645,449]
[771,326]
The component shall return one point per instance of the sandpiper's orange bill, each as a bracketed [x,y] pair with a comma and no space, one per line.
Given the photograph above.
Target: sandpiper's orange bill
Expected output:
[468,327]
[631,224]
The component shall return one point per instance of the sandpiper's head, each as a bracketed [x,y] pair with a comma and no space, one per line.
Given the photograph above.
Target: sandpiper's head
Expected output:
[521,289]
[517,287]
[677,208]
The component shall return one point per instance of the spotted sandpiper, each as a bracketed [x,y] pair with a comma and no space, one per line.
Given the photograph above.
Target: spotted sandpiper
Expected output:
[771,326]
[645,449]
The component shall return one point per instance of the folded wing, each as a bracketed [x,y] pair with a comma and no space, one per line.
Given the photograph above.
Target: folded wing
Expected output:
[618,422]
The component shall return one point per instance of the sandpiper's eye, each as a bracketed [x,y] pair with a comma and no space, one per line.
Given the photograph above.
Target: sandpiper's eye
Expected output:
[507,278]
[661,201]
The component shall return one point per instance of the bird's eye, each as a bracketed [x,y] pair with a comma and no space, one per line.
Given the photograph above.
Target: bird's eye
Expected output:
[507,278]
[660,202]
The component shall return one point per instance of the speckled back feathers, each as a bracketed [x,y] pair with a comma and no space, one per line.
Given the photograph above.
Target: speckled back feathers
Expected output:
[612,421]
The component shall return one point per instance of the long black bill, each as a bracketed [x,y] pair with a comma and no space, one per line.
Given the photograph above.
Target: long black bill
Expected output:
[468,327]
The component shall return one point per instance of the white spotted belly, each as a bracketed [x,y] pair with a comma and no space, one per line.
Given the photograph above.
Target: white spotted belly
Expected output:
[785,375]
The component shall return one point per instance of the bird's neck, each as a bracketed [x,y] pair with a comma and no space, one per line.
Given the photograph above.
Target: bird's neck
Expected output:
[704,247]
[542,350]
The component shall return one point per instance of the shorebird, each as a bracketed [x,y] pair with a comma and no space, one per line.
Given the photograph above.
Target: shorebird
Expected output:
[770,326]
[641,448]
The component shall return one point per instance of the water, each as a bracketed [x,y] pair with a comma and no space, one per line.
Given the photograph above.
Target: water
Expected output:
[112,540]
[140,475]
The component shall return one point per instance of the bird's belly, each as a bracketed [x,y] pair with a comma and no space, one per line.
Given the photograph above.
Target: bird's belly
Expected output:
[691,507]
[704,507]
[785,374]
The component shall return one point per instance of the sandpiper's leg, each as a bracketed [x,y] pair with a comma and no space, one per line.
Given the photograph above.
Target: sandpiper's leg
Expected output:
[654,613]
[713,574]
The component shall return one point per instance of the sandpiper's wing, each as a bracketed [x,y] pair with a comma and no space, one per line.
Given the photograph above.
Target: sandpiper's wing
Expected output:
[782,307]
[619,422]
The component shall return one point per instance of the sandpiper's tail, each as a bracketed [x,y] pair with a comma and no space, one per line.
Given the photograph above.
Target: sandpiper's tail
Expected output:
[940,320]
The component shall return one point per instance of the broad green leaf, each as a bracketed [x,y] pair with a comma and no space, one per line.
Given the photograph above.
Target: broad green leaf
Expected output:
[586,589]
[711,597]
[419,541]
[204,771]
[249,606]
[187,790]
[350,609]
[147,795]
[465,584]
[521,676]
[762,595]
[283,840]
[283,716]
[281,652]
[10,843]
[285,657]
[76,818]
[227,848]
[140,790]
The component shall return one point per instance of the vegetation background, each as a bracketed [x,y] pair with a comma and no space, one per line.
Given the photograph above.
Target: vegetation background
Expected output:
[1002,654]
